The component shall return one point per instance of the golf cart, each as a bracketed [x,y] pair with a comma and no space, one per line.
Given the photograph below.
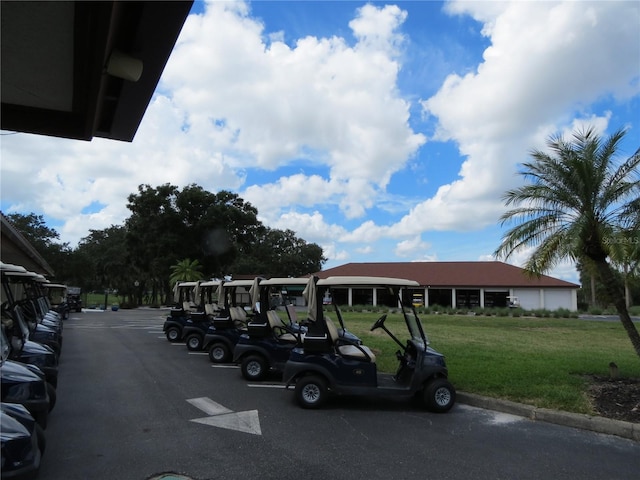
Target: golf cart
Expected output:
[225,329]
[22,440]
[23,350]
[57,298]
[74,299]
[23,384]
[197,323]
[15,295]
[183,295]
[327,364]
[269,340]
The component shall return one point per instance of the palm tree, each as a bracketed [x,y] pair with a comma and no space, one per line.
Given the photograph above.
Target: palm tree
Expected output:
[625,254]
[186,271]
[577,199]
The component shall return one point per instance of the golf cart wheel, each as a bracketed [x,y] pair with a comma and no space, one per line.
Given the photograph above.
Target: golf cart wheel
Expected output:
[42,441]
[194,342]
[311,391]
[52,396]
[219,353]
[173,334]
[254,368]
[439,395]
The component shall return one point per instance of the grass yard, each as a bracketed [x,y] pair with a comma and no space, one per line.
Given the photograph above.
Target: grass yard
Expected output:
[538,361]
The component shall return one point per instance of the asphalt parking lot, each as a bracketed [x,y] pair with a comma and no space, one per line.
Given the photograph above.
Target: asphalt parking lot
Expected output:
[133,406]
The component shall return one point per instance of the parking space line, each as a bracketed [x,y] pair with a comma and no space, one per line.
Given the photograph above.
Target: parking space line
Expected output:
[267,385]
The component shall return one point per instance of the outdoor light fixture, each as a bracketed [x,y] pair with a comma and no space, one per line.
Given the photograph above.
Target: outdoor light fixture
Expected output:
[124,66]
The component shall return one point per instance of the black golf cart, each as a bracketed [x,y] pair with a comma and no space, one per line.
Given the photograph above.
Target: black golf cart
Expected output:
[23,442]
[183,295]
[17,293]
[327,364]
[74,299]
[57,298]
[269,340]
[197,323]
[23,384]
[226,328]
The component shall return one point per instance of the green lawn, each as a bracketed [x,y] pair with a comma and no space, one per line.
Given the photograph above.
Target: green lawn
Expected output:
[542,362]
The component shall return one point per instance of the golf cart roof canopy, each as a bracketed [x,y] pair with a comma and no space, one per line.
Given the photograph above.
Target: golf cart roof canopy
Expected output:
[285,281]
[10,267]
[238,283]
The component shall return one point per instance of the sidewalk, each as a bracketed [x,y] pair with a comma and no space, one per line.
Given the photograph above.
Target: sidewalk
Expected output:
[576,420]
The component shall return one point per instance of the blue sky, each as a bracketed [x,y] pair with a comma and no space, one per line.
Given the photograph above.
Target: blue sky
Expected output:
[380,131]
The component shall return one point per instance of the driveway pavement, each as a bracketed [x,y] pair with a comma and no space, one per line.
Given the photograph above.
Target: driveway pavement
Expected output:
[133,406]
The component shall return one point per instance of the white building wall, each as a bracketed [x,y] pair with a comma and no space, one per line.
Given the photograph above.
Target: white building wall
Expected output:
[548,299]
[529,298]
[558,298]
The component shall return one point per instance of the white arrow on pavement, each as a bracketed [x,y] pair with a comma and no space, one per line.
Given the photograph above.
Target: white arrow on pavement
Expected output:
[222,417]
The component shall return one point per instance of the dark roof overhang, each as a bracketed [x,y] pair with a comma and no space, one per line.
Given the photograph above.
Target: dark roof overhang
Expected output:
[55,61]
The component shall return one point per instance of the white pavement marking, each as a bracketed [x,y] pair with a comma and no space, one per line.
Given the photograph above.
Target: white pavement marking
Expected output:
[208,406]
[222,365]
[198,353]
[266,385]
[247,422]
[221,417]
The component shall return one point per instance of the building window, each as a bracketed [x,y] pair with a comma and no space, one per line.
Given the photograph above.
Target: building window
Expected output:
[468,298]
[440,296]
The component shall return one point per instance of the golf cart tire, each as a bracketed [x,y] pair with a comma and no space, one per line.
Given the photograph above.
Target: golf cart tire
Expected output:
[254,368]
[52,396]
[194,342]
[439,395]
[173,334]
[219,353]
[42,440]
[311,391]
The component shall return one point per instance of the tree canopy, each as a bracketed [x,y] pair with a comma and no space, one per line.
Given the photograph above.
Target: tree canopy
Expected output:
[171,230]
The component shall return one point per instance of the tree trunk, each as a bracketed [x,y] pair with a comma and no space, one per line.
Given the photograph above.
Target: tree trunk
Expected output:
[615,292]
[593,290]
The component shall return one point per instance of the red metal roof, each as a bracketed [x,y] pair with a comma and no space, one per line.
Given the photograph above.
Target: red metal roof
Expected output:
[452,274]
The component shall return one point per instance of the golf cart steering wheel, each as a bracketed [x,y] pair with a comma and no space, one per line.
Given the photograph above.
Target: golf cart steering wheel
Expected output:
[379,323]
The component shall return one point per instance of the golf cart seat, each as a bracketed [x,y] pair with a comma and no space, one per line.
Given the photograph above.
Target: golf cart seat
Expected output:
[238,316]
[211,308]
[278,328]
[360,352]
[188,307]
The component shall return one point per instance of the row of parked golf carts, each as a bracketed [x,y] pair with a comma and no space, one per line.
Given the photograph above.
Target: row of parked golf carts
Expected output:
[254,323]
[31,343]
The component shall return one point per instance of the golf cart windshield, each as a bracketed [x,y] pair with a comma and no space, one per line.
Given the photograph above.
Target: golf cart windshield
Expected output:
[414,325]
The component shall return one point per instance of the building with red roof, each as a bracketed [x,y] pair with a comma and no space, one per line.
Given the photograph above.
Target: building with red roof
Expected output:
[464,285]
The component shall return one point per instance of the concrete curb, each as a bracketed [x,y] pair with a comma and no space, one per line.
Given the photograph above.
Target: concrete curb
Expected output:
[576,420]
